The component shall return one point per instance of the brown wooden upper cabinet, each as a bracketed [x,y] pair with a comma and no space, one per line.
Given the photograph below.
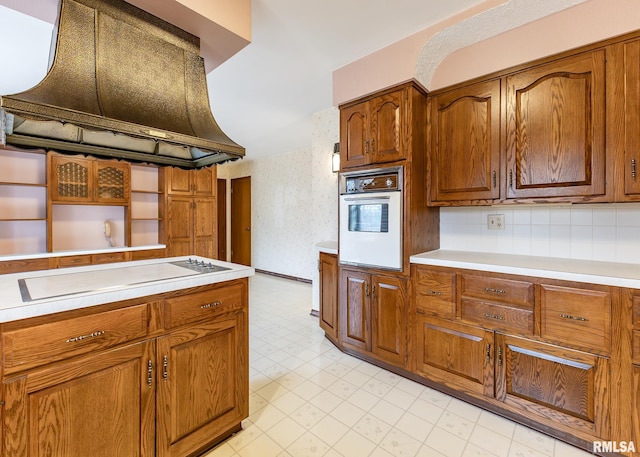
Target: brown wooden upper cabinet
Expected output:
[191,182]
[371,131]
[533,135]
[465,143]
[631,156]
[555,129]
[80,180]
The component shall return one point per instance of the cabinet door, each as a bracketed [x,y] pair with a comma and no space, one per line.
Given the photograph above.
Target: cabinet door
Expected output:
[179,181]
[112,182]
[354,135]
[180,226]
[454,354]
[389,319]
[204,181]
[632,121]
[386,135]
[559,384]
[555,132]
[204,228]
[465,144]
[203,385]
[636,404]
[71,179]
[95,405]
[355,318]
[329,294]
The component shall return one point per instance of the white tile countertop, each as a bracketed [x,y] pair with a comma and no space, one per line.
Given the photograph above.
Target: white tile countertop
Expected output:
[36,293]
[595,272]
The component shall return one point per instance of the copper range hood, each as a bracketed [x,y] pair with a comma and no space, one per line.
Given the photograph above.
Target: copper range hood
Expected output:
[122,83]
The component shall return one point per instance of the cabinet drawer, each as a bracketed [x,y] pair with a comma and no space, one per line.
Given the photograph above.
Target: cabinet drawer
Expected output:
[434,292]
[576,316]
[498,317]
[202,305]
[110,257]
[41,344]
[74,261]
[518,293]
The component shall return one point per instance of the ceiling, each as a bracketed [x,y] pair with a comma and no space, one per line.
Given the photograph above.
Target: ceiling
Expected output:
[264,96]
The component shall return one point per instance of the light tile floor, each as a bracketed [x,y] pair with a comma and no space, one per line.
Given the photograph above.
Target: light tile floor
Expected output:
[309,399]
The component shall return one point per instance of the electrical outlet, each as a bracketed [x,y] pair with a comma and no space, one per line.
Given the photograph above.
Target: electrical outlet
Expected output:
[495,221]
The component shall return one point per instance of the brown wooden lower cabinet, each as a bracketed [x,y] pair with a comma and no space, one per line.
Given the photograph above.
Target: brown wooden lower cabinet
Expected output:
[165,387]
[558,384]
[454,354]
[328,268]
[373,314]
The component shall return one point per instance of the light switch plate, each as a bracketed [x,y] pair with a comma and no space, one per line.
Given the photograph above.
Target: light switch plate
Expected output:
[495,221]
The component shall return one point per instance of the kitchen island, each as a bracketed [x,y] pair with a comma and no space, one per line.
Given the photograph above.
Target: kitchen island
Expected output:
[145,358]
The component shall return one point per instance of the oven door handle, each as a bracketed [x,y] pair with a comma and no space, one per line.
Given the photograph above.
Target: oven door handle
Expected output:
[361,199]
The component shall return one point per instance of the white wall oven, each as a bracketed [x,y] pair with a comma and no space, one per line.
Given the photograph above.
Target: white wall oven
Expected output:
[371,218]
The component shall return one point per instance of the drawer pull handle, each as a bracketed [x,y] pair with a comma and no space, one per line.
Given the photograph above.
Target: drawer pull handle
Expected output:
[84,337]
[215,304]
[495,291]
[165,368]
[633,169]
[488,353]
[433,292]
[494,316]
[575,318]
[150,373]
[500,357]
[419,311]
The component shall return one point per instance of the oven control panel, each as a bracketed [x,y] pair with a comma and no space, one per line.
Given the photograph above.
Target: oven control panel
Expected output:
[378,181]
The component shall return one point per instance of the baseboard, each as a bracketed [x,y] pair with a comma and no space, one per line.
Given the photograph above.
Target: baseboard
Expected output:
[280,275]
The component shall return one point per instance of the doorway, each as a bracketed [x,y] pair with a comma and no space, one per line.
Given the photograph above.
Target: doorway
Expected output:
[222,219]
[241,220]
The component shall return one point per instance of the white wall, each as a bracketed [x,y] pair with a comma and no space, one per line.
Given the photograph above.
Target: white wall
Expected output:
[294,201]
[604,232]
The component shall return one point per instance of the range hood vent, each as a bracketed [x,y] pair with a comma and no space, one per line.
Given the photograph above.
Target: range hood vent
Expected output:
[122,83]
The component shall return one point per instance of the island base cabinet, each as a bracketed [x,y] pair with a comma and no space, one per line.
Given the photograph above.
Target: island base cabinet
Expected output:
[202,385]
[562,385]
[97,406]
[454,354]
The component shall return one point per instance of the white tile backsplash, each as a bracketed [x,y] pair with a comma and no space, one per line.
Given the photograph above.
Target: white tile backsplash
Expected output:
[605,232]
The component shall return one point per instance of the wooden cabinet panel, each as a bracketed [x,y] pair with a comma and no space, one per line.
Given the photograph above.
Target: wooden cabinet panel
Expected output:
[179,181]
[17,266]
[498,317]
[354,135]
[70,179]
[387,128]
[99,405]
[489,288]
[631,158]
[328,266]
[455,354]
[465,144]
[555,129]
[205,241]
[196,307]
[389,316]
[579,317]
[38,345]
[112,182]
[565,386]
[434,291]
[204,388]
[355,319]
